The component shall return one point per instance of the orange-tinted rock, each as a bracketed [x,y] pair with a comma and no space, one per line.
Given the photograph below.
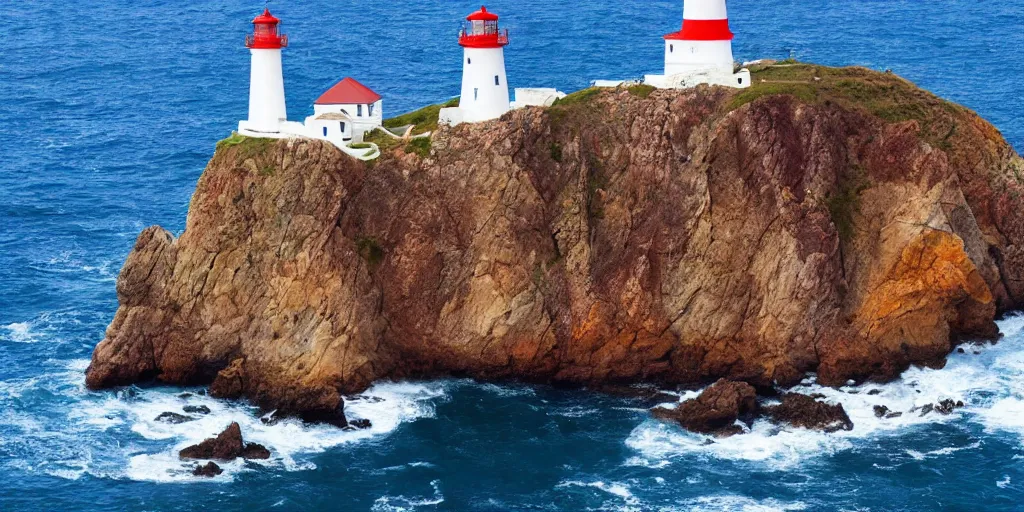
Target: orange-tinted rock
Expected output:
[669,240]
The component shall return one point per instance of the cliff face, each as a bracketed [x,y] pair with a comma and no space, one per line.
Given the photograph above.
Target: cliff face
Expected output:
[838,221]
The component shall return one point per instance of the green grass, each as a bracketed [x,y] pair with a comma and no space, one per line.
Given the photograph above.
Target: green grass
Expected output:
[423,120]
[578,97]
[360,145]
[420,146]
[803,92]
[383,141]
[642,90]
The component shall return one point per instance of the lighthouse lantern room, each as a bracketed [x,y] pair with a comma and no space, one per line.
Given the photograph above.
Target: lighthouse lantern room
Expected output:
[484,85]
[267,110]
[702,51]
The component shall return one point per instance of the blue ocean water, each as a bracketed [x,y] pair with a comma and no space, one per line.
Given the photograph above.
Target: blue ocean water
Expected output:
[110,110]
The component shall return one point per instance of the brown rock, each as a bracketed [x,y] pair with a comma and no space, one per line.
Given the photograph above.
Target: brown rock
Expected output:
[226,446]
[255,451]
[805,412]
[716,410]
[209,470]
[673,239]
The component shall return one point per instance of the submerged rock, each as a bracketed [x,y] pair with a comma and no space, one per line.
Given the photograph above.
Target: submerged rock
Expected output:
[360,424]
[196,409]
[716,410]
[676,238]
[209,470]
[805,412]
[174,418]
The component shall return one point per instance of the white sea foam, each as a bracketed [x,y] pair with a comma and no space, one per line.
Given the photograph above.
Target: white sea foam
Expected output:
[404,504]
[20,332]
[290,441]
[1004,483]
[989,379]
[618,490]
[730,503]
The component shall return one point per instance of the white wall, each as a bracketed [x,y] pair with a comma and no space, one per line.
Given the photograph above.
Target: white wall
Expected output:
[266,92]
[481,98]
[689,56]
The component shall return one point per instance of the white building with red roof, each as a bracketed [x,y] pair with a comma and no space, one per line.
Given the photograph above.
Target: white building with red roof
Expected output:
[700,53]
[345,113]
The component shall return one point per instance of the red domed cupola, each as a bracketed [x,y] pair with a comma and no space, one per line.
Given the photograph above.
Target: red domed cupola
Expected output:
[265,34]
[482,31]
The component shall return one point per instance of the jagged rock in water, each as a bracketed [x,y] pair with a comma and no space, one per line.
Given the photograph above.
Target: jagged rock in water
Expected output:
[881,411]
[226,446]
[209,470]
[196,409]
[805,412]
[716,410]
[672,238]
[174,418]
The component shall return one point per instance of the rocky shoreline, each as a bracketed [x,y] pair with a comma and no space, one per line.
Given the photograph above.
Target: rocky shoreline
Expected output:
[835,221]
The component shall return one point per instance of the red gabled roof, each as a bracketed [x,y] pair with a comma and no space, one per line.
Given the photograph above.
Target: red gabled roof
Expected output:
[482,15]
[348,92]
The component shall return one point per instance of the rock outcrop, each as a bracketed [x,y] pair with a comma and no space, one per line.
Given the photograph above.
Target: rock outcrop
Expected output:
[805,412]
[228,445]
[838,221]
[716,410]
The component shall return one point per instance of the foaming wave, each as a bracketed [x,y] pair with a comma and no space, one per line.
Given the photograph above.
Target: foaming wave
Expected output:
[740,504]
[989,379]
[20,332]
[404,504]
[618,490]
[89,437]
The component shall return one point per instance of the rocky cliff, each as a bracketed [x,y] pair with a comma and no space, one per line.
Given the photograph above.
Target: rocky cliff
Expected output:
[837,221]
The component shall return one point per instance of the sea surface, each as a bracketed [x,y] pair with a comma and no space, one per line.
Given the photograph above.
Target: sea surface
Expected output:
[110,109]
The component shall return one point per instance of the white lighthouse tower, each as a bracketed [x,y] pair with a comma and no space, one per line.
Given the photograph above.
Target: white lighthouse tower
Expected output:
[484,85]
[267,110]
[700,53]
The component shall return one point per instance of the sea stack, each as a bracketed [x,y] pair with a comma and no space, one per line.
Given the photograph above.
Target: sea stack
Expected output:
[267,110]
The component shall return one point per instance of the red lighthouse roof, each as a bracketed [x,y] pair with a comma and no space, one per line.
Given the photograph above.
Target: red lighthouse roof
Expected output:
[348,92]
[482,31]
[265,34]
[266,18]
[482,15]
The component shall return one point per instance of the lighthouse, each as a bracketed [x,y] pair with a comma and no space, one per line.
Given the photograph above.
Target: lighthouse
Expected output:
[484,85]
[701,53]
[267,110]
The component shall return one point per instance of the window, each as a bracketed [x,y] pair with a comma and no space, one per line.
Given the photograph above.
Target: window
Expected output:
[369,108]
[476,94]
[342,128]
[740,80]
[359,111]
[469,60]
[671,48]
[497,80]
[325,131]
